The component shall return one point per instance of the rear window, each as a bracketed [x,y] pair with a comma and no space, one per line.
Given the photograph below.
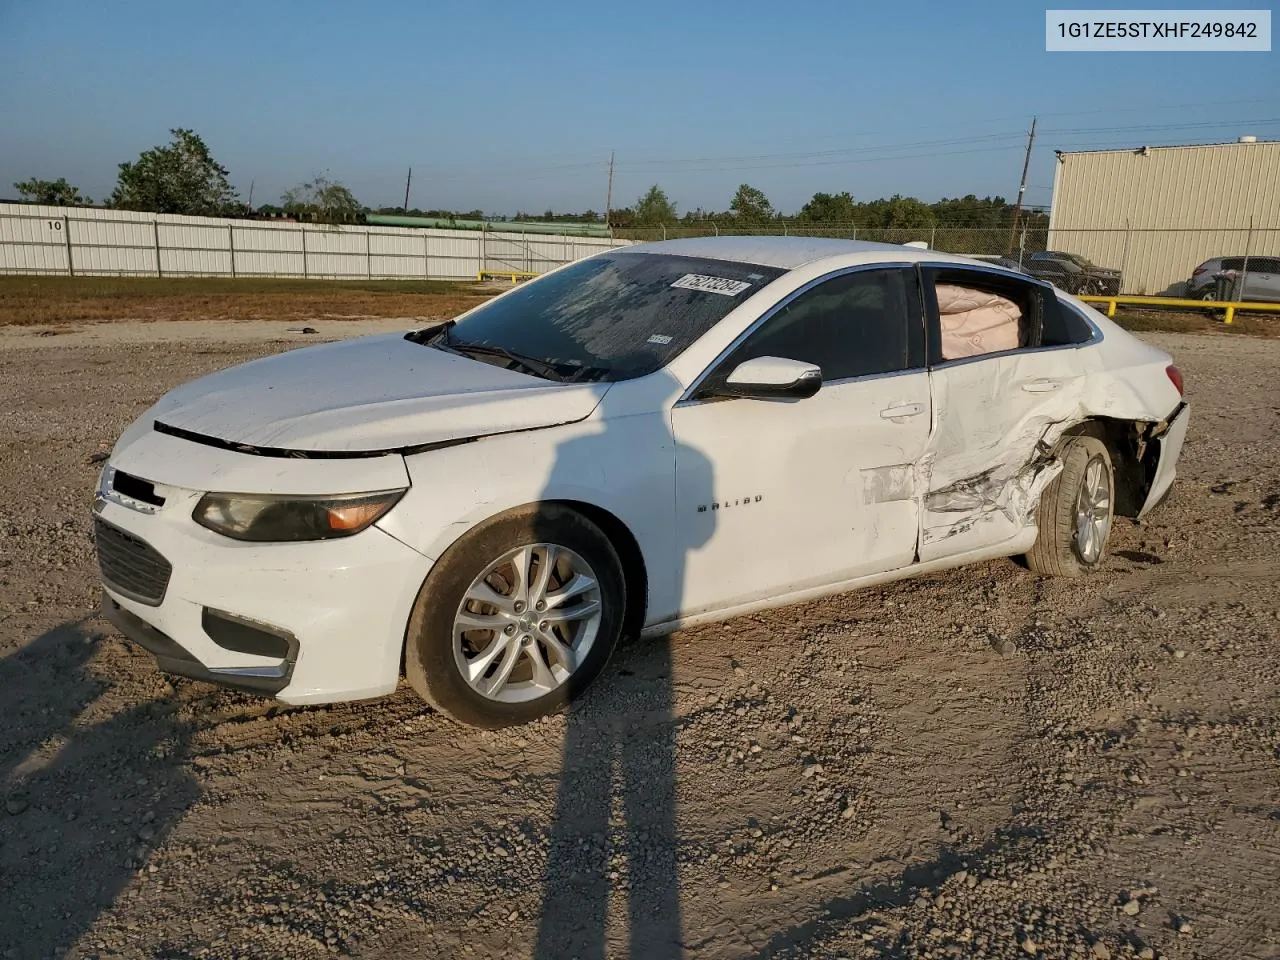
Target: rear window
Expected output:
[617,316]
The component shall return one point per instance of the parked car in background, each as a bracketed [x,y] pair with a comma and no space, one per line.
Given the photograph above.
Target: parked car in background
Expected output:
[1260,282]
[999,261]
[1073,273]
[647,439]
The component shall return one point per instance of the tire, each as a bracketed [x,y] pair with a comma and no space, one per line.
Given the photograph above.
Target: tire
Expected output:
[439,645]
[1063,547]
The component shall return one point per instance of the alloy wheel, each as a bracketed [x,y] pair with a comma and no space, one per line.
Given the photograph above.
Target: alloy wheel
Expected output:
[527,622]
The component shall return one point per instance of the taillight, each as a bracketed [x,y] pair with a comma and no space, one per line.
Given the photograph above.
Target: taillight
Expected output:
[1175,375]
[1203,268]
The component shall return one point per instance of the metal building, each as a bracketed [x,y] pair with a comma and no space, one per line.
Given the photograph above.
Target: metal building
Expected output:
[1157,212]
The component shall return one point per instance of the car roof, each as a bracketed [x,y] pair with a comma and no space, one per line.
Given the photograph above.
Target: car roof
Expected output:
[788,253]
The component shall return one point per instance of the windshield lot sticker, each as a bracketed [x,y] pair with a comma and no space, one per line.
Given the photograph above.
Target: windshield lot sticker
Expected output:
[660,338]
[696,281]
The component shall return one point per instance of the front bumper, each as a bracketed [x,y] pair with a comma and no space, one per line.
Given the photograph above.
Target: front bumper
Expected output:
[303,622]
[172,657]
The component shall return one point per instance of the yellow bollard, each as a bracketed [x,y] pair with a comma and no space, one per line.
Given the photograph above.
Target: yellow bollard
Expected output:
[1111,308]
[1231,312]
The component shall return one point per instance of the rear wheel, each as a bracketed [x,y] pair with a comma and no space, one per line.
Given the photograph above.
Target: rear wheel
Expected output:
[516,618]
[1075,512]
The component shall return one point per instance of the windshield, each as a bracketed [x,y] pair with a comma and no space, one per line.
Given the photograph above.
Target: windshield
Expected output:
[610,317]
[1079,260]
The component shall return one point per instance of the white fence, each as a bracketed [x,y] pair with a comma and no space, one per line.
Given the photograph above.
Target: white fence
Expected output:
[82,241]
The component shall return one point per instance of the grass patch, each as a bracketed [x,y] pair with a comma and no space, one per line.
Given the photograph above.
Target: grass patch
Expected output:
[1180,321]
[57,300]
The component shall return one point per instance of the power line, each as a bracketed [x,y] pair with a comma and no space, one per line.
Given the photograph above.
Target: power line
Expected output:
[838,156]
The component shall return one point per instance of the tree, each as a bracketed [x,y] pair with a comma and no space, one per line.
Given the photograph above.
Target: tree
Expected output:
[179,178]
[750,205]
[56,193]
[908,212]
[321,199]
[654,209]
[969,211]
[830,208]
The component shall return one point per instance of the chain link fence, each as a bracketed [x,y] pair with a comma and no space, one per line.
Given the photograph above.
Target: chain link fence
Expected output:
[1136,261]
[1128,260]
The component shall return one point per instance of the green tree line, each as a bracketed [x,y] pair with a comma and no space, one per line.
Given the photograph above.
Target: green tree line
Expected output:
[749,207]
[182,177]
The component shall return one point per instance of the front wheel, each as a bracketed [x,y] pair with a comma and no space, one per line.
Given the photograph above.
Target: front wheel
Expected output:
[1075,512]
[516,618]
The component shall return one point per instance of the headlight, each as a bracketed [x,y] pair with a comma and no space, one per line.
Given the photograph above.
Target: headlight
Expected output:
[279,519]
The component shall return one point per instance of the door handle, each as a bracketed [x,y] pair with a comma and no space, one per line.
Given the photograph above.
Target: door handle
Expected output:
[902,411]
[1041,386]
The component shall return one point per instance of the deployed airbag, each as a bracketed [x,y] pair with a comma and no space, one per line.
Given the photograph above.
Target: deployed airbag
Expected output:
[976,322]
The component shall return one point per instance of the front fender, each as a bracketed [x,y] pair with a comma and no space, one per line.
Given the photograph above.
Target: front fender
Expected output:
[624,465]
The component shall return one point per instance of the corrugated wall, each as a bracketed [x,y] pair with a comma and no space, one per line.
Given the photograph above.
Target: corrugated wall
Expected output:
[91,242]
[1157,216]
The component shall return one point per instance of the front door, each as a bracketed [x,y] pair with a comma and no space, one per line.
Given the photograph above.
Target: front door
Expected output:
[774,496]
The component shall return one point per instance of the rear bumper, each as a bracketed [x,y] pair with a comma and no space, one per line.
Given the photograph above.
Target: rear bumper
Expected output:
[1170,445]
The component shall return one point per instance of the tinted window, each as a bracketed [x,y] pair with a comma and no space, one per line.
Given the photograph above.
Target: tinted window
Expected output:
[1232,263]
[611,317]
[851,326]
[1264,265]
[1061,324]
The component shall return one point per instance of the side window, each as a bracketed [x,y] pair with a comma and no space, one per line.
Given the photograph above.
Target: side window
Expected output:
[862,323]
[982,313]
[1063,324]
[1233,263]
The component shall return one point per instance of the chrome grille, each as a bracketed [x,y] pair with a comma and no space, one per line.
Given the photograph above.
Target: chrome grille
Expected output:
[130,566]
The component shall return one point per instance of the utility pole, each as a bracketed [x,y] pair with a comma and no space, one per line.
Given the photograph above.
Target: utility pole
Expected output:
[250,203]
[407,181]
[608,198]
[1022,185]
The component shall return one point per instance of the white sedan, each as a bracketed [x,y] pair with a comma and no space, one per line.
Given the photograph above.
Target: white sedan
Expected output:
[657,436]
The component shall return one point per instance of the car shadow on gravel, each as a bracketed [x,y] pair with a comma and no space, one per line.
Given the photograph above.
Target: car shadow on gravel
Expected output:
[71,838]
[619,757]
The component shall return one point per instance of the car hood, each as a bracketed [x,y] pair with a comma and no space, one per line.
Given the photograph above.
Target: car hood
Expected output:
[360,396]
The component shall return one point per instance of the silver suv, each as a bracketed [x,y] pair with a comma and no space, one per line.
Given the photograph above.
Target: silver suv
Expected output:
[1261,281]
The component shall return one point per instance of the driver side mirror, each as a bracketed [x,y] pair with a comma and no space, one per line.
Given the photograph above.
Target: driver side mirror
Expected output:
[769,378]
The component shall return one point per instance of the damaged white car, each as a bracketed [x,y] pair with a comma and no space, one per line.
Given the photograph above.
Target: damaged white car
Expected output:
[653,437]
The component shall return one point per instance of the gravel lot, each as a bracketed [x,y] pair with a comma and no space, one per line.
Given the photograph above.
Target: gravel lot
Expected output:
[977,763]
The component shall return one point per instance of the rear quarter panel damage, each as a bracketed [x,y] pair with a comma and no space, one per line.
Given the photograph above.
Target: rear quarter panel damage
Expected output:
[990,462]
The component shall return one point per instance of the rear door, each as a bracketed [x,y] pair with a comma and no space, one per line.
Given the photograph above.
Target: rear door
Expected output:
[1262,282]
[985,465]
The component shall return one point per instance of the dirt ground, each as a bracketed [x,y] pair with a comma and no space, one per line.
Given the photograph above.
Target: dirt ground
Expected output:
[66,302]
[974,764]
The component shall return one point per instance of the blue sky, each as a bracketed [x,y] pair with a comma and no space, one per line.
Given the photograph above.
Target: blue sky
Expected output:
[503,106]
